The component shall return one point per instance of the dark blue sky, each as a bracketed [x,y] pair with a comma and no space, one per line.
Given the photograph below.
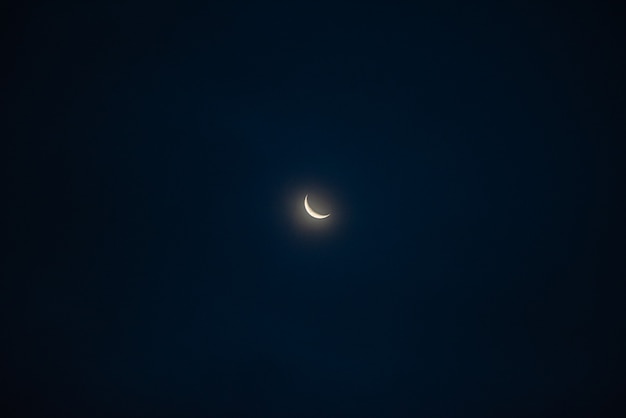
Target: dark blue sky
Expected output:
[158,261]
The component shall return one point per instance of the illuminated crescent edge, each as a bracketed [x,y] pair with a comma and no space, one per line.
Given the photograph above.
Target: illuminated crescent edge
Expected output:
[311,211]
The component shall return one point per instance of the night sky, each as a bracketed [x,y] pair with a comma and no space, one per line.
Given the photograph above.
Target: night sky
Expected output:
[158,261]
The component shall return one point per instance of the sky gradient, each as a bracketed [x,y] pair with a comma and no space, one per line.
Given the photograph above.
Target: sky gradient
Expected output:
[159,262]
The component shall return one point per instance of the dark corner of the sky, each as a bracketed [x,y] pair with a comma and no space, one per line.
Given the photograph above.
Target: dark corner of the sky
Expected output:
[168,169]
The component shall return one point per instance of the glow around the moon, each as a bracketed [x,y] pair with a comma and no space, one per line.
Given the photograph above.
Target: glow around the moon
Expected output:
[311,211]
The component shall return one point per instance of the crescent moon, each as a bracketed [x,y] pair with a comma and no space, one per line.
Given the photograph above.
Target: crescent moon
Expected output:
[311,211]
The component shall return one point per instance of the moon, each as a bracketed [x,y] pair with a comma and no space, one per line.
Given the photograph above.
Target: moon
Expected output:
[311,211]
